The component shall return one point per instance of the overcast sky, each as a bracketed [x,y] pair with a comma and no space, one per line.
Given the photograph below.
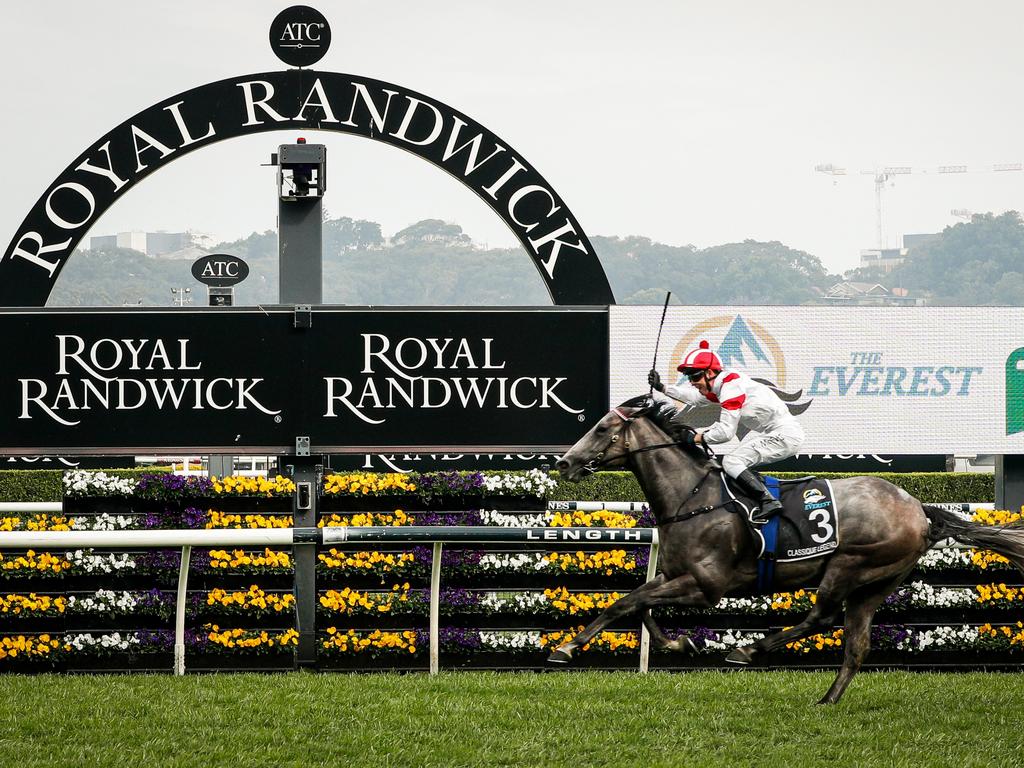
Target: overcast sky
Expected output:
[686,122]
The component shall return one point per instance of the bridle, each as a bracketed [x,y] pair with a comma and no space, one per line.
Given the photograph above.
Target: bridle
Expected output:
[599,461]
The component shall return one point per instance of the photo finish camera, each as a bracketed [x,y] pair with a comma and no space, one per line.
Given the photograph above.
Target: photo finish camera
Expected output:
[302,170]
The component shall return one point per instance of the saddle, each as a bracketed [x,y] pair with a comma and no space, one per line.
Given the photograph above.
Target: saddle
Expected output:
[807,527]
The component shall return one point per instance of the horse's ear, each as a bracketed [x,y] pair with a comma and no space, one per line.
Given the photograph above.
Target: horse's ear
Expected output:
[642,404]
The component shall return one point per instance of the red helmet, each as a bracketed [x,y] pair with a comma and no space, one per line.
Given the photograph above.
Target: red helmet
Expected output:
[698,360]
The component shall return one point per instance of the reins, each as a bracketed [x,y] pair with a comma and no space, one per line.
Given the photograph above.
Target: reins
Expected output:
[599,461]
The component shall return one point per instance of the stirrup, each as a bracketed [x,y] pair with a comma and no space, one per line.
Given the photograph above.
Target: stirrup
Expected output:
[760,516]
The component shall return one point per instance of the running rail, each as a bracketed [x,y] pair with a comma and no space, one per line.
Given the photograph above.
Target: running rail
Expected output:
[553,506]
[438,535]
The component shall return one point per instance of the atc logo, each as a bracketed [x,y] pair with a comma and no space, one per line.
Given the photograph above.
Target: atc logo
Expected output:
[300,36]
[746,346]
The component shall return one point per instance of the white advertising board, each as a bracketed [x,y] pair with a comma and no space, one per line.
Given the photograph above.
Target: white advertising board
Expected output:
[897,380]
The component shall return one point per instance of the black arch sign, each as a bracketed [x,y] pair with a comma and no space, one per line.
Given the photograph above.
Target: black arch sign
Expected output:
[302,99]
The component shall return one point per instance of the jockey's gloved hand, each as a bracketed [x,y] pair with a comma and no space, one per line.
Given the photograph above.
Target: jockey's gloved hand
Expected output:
[655,380]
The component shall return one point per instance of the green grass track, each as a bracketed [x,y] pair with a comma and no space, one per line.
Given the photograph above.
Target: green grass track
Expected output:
[511,719]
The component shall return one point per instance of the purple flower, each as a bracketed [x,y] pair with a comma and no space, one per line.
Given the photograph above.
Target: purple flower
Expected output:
[162,561]
[700,636]
[900,599]
[646,518]
[890,635]
[162,641]
[454,639]
[167,487]
[451,483]
[193,517]
[458,600]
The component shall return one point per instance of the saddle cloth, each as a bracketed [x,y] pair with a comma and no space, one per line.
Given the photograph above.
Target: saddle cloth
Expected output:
[808,526]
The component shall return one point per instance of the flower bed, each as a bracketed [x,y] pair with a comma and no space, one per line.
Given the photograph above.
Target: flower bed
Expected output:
[504,606]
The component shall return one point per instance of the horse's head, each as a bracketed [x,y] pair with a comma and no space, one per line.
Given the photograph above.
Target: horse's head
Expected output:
[606,444]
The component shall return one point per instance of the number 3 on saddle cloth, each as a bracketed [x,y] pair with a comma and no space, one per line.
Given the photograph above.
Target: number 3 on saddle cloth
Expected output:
[807,527]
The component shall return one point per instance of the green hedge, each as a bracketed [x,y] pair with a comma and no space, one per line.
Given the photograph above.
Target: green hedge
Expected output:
[44,485]
[926,486]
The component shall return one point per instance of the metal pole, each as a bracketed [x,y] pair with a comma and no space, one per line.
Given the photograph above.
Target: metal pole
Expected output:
[179,612]
[435,609]
[645,636]
[306,474]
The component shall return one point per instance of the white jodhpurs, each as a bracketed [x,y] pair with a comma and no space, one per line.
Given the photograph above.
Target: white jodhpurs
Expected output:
[757,448]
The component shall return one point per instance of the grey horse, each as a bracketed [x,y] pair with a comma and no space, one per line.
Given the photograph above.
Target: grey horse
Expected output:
[883,532]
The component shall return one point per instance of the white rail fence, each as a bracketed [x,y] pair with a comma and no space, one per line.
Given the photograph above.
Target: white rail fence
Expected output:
[438,535]
[286,537]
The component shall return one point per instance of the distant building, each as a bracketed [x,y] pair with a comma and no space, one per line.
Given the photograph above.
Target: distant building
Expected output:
[869,295]
[159,243]
[103,242]
[149,243]
[884,259]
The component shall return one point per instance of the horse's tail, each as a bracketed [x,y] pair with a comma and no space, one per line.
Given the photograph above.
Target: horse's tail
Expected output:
[1007,540]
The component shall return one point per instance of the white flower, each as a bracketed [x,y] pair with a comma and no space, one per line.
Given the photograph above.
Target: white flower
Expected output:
[947,557]
[114,641]
[493,517]
[520,561]
[534,482]
[102,522]
[929,596]
[964,636]
[104,601]
[514,602]
[88,562]
[732,639]
[505,640]
[81,482]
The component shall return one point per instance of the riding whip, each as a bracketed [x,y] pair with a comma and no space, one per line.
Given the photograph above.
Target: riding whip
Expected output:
[654,363]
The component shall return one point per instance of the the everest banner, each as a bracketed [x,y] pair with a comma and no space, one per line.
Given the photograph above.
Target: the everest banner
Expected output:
[904,380]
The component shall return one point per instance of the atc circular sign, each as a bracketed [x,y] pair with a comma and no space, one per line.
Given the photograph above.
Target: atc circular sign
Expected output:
[300,36]
[220,270]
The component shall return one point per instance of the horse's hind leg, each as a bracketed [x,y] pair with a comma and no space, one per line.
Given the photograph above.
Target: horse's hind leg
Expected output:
[860,608]
[822,616]
[661,641]
[682,590]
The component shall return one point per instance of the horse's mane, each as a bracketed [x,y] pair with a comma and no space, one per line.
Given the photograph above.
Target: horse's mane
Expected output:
[660,413]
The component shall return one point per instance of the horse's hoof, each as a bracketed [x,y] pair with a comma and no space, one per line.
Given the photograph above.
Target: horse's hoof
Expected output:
[559,657]
[681,645]
[741,656]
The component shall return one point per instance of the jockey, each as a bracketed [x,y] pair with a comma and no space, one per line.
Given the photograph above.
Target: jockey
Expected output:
[775,434]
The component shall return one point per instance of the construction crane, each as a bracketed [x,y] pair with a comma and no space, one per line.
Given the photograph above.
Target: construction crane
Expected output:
[883,175]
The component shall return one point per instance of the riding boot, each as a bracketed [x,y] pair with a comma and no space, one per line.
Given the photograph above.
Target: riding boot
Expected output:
[768,504]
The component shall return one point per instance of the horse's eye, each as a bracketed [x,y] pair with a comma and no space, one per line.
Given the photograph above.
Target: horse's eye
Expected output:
[600,430]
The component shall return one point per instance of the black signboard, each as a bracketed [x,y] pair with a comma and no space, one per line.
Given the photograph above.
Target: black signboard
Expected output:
[439,462]
[220,270]
[67,462]
[354,381]
[860,462]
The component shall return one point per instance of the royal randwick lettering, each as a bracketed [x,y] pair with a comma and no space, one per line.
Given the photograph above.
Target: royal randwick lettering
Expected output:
[124,375]
[414,372]
[424,127]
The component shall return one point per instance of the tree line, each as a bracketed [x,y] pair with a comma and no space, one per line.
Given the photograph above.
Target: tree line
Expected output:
[433,263]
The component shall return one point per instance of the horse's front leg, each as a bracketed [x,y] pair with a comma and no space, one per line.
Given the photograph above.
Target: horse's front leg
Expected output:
[682,590]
